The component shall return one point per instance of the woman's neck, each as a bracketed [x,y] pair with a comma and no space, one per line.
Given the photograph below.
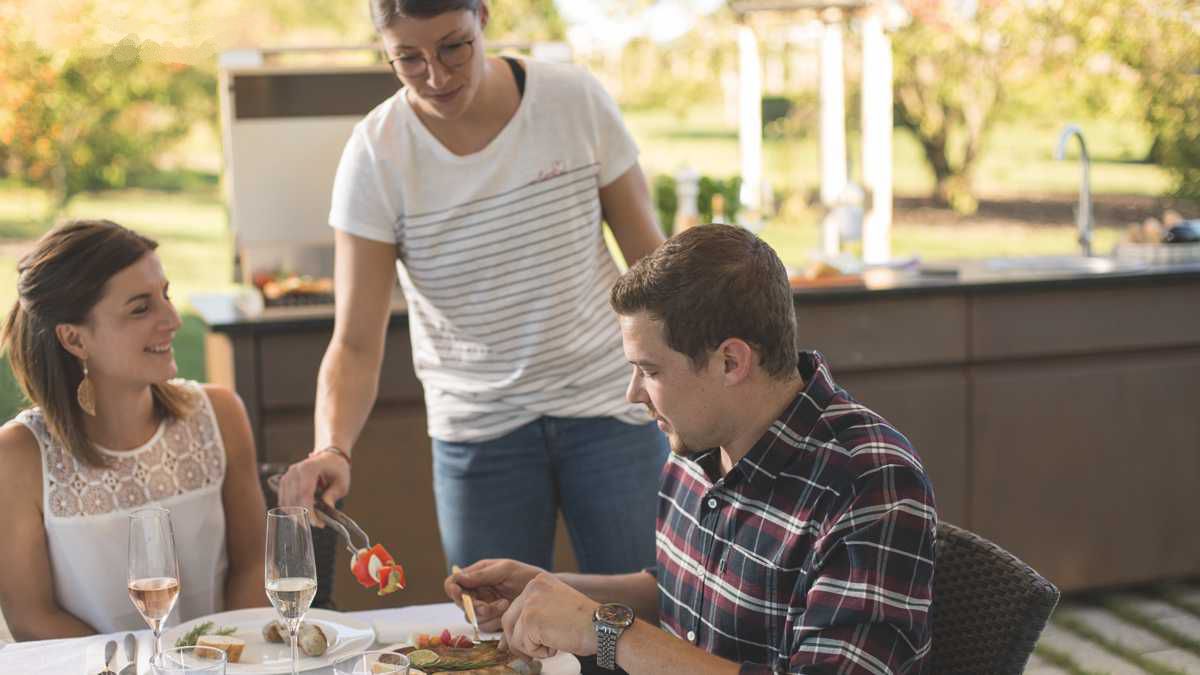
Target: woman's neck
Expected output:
[125,417]
[494,105]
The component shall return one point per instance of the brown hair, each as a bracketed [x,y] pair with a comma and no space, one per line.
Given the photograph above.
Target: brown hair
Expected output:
[59,282]
[711,283]
[384,12]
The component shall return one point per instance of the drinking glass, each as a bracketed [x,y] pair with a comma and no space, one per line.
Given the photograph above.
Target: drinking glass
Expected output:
[153,568]
[189,661]
[291,570]
[365,664]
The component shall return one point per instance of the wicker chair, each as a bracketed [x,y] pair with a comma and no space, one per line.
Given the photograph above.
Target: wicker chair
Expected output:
[325,541]
[988,607]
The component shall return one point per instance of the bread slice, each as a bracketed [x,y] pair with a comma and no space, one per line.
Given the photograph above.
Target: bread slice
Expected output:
[227,643]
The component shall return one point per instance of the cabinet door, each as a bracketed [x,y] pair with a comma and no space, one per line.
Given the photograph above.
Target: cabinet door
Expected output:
[860,335]
[289,362]
[928,406]
[1087,469]
[1134,316]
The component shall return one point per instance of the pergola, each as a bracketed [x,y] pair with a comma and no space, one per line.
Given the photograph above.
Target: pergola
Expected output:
[876,112]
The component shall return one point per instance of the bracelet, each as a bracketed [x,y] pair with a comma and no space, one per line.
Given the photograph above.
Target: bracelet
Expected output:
[334,449]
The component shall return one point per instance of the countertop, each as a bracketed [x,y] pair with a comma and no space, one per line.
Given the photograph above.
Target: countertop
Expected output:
[995,275]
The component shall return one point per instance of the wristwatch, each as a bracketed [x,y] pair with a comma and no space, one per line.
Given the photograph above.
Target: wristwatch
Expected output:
[610,621]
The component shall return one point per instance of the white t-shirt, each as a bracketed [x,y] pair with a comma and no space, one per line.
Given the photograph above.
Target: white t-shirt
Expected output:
[500,254]
[86,513]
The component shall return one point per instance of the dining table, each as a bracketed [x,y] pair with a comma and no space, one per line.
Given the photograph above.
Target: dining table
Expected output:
[85,655]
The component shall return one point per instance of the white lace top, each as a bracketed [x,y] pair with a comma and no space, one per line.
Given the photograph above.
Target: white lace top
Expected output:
[86,512]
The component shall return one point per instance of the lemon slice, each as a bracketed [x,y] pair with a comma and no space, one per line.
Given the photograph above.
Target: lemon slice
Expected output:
[422,658]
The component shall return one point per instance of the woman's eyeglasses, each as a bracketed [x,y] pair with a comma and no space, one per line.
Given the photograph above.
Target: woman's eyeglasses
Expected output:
[452,55]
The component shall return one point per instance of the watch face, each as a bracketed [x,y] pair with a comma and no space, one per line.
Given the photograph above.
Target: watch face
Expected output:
[616,615]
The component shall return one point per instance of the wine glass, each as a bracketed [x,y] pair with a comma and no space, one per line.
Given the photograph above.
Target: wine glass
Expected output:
[153,567]
[189,661]
[291,569]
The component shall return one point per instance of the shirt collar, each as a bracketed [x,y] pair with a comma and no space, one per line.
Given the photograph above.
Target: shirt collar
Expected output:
[768,456]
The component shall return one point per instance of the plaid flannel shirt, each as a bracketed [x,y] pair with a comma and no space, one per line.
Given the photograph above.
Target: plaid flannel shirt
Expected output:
[814,554]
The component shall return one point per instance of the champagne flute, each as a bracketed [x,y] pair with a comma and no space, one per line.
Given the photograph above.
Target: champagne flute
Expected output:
[153,567]
[291,569]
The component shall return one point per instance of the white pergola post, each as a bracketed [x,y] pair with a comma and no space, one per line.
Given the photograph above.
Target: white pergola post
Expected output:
[750,136]
[877,138]
[833,123]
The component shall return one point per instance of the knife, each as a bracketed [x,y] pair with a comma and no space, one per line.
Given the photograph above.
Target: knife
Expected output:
[110,650]
[131,655]
[468,607]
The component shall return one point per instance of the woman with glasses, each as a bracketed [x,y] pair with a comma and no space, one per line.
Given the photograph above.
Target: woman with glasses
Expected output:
[483,183]
[112,430]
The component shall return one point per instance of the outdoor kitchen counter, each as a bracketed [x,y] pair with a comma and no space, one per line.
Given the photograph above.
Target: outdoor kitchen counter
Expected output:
[1055,410]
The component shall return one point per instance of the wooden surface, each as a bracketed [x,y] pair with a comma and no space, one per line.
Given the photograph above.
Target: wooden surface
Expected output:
[1060,421]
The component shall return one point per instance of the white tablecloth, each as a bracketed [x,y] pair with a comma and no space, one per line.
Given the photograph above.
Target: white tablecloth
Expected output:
[85,656]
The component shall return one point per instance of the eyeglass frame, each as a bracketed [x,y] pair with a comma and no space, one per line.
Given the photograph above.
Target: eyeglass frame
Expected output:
[469,43]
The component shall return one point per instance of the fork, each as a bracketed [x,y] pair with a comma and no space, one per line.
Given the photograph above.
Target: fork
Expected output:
[469,607]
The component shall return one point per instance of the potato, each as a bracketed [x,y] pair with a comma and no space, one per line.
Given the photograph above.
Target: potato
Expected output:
[312,640]
[274,632]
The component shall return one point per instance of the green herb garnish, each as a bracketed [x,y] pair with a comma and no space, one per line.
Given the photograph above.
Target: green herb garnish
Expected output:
[204,628]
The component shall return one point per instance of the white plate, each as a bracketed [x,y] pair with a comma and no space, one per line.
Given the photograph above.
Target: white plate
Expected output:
[347,636]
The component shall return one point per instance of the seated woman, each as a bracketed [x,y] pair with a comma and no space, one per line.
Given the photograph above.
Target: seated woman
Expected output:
[111,431]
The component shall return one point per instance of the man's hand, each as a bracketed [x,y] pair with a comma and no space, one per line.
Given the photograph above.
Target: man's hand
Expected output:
[299,484]
[550,617]
[494,584]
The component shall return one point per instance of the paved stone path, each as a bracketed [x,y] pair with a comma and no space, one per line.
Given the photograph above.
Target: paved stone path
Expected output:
[1110,634]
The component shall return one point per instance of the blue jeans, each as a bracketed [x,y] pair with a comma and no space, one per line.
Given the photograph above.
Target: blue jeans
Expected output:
[500,498]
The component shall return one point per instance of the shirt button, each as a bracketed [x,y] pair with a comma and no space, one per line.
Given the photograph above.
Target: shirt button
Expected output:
[712,503]
[691,636]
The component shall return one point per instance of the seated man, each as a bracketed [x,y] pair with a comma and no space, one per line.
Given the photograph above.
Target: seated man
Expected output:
[795,526]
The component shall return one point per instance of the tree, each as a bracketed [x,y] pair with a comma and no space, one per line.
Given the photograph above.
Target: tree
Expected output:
[955,69]
[525,21]
[1164,56]
[92,118]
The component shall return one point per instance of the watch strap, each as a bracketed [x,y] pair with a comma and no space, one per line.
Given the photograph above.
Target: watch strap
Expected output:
[606,645]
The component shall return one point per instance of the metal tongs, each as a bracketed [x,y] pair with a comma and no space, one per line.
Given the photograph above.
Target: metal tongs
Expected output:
[340,522]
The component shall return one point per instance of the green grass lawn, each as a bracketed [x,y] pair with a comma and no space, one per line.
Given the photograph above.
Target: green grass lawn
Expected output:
[1017,160]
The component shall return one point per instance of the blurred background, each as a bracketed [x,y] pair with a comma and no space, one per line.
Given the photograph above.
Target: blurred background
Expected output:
[110,109]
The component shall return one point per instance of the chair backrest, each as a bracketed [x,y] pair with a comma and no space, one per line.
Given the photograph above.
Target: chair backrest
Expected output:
[325,540]
[988,609]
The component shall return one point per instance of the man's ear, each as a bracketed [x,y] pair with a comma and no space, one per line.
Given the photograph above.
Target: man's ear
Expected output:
[737,360]
[71,339]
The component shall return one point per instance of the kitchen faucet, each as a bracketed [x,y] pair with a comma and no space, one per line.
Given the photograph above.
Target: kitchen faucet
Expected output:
[1083,215]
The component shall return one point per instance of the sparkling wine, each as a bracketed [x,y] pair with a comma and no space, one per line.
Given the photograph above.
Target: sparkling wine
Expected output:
[291,596]
[154,597]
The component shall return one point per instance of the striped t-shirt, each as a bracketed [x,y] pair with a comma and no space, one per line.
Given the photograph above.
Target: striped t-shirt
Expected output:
[500,254]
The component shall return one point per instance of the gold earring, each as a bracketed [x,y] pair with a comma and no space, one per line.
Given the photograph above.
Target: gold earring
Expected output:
[86,393]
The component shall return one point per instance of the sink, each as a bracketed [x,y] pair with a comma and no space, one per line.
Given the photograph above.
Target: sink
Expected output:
[1043,265]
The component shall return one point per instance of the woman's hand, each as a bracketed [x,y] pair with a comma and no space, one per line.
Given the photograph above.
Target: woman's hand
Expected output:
[300,483]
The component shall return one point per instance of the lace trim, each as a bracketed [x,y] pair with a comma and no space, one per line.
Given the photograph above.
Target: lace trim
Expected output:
[185,456]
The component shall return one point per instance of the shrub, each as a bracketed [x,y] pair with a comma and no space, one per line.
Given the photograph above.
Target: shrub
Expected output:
[92,119]
[666,199]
